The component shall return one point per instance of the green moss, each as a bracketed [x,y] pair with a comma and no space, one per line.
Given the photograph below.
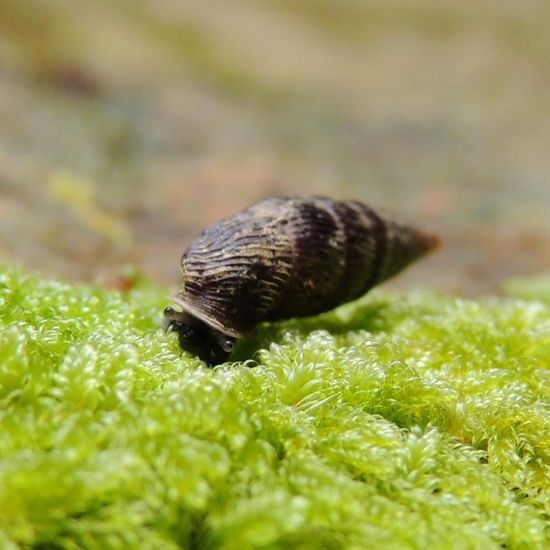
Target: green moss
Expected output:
[401,421]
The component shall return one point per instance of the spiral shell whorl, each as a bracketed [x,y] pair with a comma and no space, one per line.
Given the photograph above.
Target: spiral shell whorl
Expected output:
[292,257]
[234,270]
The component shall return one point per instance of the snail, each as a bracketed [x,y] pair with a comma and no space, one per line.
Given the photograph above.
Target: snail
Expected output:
[282,258]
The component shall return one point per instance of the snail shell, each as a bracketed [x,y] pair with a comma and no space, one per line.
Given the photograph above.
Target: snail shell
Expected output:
[283,258]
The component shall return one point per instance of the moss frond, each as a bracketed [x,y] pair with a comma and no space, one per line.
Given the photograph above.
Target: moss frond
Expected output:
[400,421]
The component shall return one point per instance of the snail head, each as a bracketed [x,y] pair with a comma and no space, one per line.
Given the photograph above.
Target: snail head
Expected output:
[196,337]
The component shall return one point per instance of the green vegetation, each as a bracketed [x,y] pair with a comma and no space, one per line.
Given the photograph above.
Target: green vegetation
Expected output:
[400,421]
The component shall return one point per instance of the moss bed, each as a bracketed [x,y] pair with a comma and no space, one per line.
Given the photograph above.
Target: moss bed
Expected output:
[400,421]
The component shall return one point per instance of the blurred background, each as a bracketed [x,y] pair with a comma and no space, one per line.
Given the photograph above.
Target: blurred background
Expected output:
[127,126]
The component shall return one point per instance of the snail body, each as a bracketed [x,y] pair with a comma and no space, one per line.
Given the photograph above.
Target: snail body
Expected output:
[283,258]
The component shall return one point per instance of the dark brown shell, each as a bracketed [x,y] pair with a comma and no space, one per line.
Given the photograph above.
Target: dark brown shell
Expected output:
[292,257]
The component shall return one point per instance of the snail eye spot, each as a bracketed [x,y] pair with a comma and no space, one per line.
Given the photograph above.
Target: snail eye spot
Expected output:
[228,345]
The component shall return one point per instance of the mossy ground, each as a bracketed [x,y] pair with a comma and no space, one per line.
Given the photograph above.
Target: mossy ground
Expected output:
[400,421]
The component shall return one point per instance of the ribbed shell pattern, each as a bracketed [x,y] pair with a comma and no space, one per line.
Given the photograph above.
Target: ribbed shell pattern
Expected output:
[291,257]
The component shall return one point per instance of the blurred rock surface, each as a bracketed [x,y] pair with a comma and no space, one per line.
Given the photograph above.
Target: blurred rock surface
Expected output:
[176,114]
